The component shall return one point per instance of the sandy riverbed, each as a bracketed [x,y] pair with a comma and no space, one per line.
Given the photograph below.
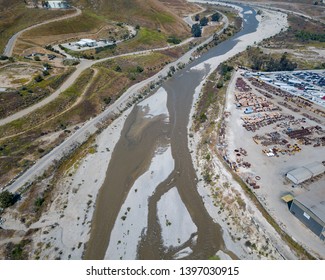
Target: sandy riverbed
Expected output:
[66,225]
[242,226]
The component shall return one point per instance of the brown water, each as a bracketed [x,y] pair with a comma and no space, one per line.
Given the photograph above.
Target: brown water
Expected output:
[131,157]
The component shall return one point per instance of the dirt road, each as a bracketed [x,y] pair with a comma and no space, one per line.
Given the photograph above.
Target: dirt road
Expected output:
[12,41]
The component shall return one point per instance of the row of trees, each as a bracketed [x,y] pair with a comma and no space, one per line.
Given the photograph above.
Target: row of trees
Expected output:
[270,64]
[308,36]
[197,27]
[215,17]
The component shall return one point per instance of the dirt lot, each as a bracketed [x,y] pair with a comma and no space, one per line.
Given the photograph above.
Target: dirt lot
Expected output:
[268,172]
[18,74]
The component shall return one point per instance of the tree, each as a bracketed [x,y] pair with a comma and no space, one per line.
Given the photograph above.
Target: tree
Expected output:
[6,199]
[204,21]
[38,78]
[197,17]
[196,30]
[215,17]
[139,69]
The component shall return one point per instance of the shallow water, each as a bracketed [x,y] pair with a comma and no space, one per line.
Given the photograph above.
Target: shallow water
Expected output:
[132,156]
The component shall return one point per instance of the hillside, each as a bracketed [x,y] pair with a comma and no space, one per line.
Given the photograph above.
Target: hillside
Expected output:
[14,16]
[148,13]
[157,20]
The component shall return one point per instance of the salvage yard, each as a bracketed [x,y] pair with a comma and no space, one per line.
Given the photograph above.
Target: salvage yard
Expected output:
[274,143]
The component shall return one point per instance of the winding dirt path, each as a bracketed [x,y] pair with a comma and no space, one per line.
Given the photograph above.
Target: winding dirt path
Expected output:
[12,41]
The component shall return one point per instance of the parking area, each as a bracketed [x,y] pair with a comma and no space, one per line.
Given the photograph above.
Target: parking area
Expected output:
[307,84]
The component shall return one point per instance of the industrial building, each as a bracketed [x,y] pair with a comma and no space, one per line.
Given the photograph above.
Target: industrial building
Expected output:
[302,174]
[309,208]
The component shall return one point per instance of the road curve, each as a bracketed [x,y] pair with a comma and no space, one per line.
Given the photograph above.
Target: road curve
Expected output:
[91,126]
[12,41]
[84,64]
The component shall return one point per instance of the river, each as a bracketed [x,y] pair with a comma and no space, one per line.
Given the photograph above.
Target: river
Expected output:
[172,222]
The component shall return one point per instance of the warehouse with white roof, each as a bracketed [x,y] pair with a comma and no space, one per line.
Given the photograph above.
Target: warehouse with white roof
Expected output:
[304,173]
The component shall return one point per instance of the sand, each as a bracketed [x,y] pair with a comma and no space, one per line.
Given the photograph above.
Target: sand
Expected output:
[175,221]
[247,224]
[155,105]
[131,224]
[66,225]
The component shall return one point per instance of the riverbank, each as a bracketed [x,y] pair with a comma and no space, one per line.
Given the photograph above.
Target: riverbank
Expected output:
[246,233]
[76,198]
[65,227]
[63,230]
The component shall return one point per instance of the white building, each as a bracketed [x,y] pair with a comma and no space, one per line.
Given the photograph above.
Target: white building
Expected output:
[86,43]
[58,4]
[304,173]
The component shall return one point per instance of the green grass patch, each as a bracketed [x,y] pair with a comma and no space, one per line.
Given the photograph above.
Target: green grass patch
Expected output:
[148,37]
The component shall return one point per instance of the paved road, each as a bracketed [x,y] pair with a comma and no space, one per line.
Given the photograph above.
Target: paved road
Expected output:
[91,126]
[189,19]
[12,41]
[84,64]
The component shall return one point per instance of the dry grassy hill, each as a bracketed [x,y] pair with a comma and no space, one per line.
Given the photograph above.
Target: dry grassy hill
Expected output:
[14,16]
[158,20]
[148,13]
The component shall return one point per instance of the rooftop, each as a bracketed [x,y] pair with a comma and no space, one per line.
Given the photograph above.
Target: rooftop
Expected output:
[314,200]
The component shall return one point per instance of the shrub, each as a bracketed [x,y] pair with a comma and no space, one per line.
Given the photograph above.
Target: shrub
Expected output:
[204,21]
[6,199]
[215,17]
[38,78]
[196,30]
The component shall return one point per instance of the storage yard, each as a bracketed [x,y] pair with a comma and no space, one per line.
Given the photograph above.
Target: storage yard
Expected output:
[268,134]
[309,85]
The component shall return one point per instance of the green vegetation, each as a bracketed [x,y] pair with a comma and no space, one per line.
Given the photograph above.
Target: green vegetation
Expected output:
[17,251]
[38,78]
[215,17]
[204,21]
[174,40]
[214,258]
[64,100]
[148,37]
[263,62]
[196,30]
[306,36]
[6,199]
[212,101]
[38,203]
[18,152]
[29,94]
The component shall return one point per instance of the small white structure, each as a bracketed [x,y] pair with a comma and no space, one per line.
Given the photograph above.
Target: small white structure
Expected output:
[58,4]
[86,43]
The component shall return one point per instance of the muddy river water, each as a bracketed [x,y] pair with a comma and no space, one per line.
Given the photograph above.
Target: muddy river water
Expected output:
[133,175]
